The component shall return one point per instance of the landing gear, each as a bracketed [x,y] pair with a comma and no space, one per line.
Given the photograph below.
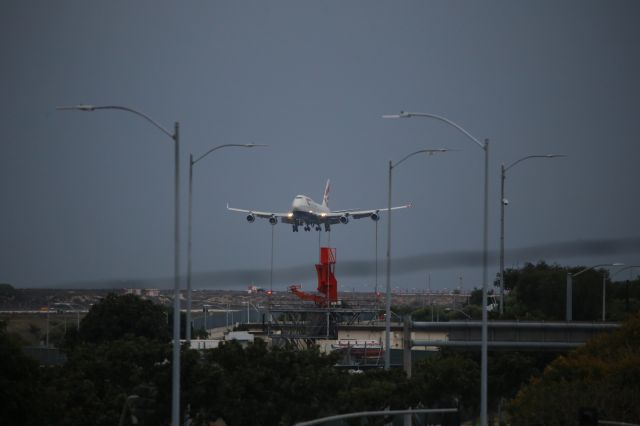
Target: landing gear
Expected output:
[307,228]
[317,227]
[327,227]
[295,227]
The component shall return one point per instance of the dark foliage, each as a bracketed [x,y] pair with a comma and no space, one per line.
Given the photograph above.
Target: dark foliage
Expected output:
[603,376]
[21,393]
[115,317]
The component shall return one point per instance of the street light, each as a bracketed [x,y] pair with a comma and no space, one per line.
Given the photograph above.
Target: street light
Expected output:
[175,135]
[387,322]
[485,249]
[192,162]
[128,402]
[570,277]
[504,202]
[624,269]
[205,309]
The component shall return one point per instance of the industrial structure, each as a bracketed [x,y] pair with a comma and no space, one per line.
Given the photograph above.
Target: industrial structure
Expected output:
[319,315]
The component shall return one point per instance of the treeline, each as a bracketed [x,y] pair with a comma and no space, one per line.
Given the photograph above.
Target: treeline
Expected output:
[119,361]
[122,348]
[537,292]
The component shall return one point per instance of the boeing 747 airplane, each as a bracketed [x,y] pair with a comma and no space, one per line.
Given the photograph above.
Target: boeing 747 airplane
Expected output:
[307,213]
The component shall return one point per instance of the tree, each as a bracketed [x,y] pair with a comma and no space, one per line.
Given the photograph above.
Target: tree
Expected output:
[538,292]
[21,390]
[115,317]
[7,291]
[447,381]
[98,377]
[276,386]
[603,375]
[623,299]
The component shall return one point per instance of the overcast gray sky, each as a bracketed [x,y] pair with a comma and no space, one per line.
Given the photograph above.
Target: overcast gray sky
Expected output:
[87,197]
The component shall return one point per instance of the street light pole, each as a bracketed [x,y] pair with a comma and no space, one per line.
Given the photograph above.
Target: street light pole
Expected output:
[504,202]
[387,317]
[192,162]
[387,322]
[175,136]
[570,276]
[485,278]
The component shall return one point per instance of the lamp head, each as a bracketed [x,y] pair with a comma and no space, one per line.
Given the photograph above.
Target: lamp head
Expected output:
[436,151]
[401,115]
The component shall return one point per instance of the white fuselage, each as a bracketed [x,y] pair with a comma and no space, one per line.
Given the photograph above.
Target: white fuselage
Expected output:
[304,207]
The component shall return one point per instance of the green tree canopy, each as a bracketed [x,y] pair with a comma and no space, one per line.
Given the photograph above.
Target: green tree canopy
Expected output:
[20,384]
[115,317]
[7,290]
[97,378]
[538,291]
[604,375]
[276,386]
[447,381]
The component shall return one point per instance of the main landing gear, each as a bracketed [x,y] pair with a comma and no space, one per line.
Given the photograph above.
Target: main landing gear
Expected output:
[307,227]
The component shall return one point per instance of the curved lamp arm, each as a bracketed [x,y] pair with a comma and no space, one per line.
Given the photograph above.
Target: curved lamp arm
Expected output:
[87,108]
[404,114]
[624,269]
[597,266]
[427,151]
[248,145]
[532,156]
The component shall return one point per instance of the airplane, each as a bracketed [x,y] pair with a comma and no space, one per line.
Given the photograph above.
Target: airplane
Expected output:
[307,213]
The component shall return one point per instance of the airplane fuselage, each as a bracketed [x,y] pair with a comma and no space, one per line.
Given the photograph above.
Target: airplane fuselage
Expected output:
[305,211]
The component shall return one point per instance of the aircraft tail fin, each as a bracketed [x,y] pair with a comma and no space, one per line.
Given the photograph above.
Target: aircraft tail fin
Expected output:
[325,197]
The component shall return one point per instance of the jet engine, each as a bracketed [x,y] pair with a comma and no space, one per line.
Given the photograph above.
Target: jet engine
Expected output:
[375,217]
[273,220]
[251,218]
[344,219]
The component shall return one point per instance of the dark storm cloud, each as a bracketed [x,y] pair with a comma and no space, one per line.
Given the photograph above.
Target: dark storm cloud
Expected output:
[452,259]
[241,278]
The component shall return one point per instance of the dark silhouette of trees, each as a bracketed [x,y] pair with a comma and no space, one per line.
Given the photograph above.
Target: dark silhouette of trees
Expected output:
[122,349]
[538,292]
[116,317]
[448,380]
[623,299]
[22,394]
[97,378]
[603,375]
[277,386]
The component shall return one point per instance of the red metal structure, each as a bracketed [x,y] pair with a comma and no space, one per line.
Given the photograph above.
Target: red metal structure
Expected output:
[327,283]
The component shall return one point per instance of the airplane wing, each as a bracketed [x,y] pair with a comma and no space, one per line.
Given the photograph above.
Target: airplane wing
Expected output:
[283,217]
[335,216]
